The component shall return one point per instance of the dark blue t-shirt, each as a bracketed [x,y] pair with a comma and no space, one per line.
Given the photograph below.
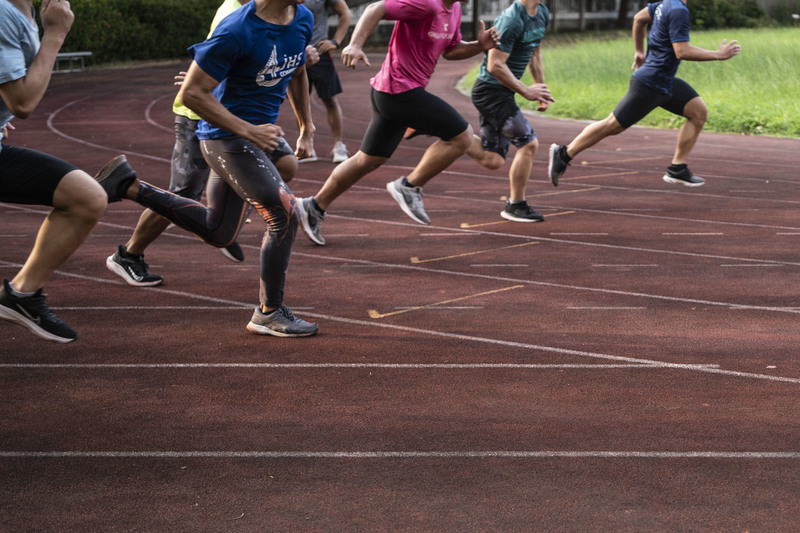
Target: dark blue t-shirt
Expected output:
[253,60]
[670,25]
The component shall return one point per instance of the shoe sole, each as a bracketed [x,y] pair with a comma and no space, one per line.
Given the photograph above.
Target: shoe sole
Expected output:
[551,158]
[512,218]
[16,318]
[401,201]
[263,330]
[307,226]
[114,267]
[308,159]
[670,179]
[338,160]
[230,256]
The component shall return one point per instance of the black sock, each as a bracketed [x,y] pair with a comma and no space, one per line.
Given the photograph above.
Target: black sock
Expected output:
[677,168]
[316,206]
[562,153]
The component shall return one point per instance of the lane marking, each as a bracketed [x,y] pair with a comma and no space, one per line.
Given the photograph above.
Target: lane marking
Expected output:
[572,191]
[467,225]
[375,314]
[613,265]
[611,175]
[432,454]
[417,260]
[388,366]
[608,308]
[687,233]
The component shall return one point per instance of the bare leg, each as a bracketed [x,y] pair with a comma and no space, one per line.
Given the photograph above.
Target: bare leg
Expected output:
[521,170]
[345,176]
[696,114]
[439,156]
[78,203]
[594,133]
[490,160]
[334,112]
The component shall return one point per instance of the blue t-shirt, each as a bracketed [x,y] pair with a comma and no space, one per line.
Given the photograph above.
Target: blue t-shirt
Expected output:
[253,60]
[19,44]
[671,23]
[520,35]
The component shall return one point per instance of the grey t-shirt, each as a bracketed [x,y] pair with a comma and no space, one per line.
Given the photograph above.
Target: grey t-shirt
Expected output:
[319,8]
[19,44]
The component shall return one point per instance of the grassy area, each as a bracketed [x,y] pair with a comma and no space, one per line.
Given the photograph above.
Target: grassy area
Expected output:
[755,92]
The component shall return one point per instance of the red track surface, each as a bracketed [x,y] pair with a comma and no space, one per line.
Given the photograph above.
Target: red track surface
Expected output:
[630,364]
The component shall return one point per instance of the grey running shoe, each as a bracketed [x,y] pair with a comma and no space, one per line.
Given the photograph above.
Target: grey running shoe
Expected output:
[233,252]
[280,323]
[339,153]
[31,312]
[311,219]
[684,177]
[520,212]
[310,159]
[116,177]
[132,268]
[555,165]
[409,199]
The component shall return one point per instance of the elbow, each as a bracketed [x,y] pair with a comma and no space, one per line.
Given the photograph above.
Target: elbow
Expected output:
[21,111]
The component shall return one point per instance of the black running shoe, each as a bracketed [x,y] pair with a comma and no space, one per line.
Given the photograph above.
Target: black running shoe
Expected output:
[684,177]
[233,252]
[132,268]
[520,212]
[555,165]
[32,313]
[116,177]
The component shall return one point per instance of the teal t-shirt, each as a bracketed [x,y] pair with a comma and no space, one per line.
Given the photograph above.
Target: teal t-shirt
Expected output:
[520,35]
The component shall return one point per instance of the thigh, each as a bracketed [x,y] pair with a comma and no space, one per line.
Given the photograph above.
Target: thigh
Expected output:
[682,94]
[29,176]
[247,170]
[639,101]
[189,168]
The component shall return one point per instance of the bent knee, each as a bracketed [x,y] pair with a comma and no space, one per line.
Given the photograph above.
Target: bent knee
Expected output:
[80,194]
[463,140]
[696,110]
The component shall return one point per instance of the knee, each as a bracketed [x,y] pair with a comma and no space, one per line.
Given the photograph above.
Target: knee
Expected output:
[79,194]
[696,111]
[463,140]
[492,160]
[531,148]
[287,168]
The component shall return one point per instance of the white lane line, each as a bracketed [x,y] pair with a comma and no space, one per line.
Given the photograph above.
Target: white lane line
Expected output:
[353,366]
[365,454]
[690,233]
[752,265]
[607,308]
[498,265]
[631,265]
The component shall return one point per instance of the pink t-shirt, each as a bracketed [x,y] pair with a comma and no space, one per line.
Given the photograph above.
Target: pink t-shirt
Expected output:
[424,30]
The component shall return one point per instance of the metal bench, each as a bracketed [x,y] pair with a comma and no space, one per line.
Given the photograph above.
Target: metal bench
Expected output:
[74,61]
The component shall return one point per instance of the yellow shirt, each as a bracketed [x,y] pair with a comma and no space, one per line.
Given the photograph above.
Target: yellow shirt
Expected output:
[227,7]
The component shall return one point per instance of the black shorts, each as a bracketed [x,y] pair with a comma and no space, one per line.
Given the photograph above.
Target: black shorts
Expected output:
[322,76]
[418,109]
[641,100]
[29,176]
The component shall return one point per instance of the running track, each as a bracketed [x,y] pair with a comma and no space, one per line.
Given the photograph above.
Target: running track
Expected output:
[631,364]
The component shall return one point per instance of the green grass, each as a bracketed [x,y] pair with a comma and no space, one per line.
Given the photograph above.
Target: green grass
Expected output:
[756,92]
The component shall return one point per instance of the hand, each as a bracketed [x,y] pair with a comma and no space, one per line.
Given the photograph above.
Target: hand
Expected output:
[488,38]
[312,56]
[638,60]
[326,46]
[266,136]
[57,16]
[6,129]
[352,54]
[538,91]
[305,147]
[179,78]
[728,49]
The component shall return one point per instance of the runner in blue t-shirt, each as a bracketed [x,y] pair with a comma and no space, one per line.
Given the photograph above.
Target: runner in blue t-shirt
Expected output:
[652,85]
[521,27]
[236,84]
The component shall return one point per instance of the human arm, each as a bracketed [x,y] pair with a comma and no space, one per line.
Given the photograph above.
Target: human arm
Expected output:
[22,95]
[641,21]
[487,39]
[196,94]
[297,92]
[354,52]
[343,12]
[726,50]
[497,67]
